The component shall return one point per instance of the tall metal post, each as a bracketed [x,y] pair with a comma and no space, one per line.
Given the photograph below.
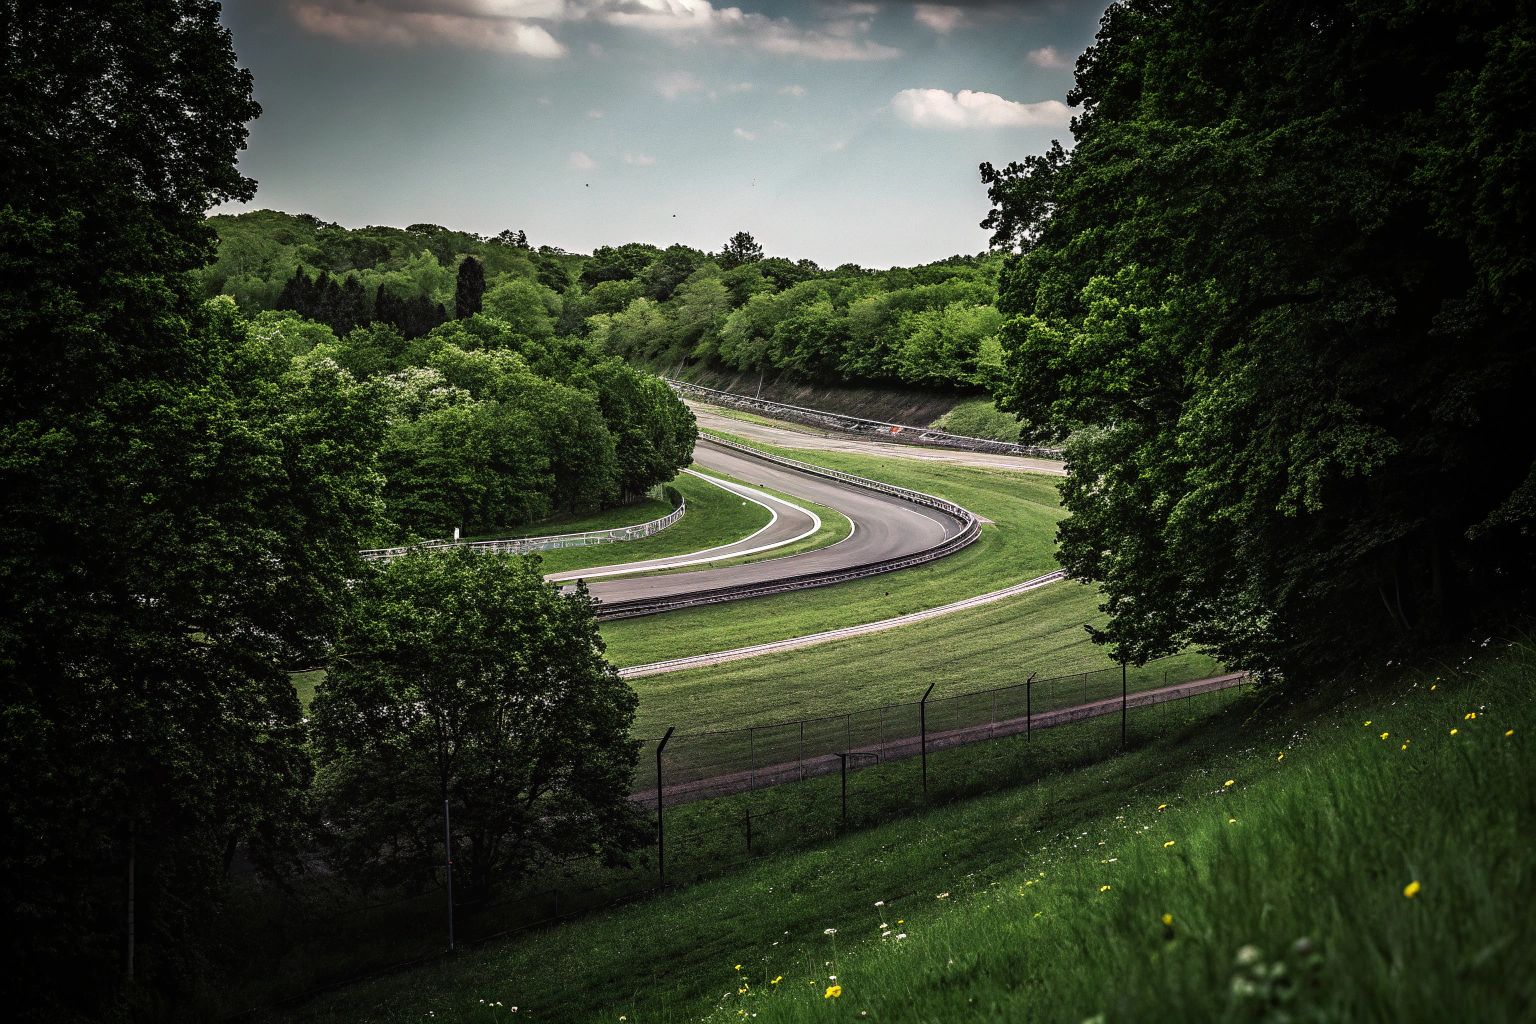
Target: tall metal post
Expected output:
[922,724]
[448,854]
[661,849]
[1122,705]
[1029,709]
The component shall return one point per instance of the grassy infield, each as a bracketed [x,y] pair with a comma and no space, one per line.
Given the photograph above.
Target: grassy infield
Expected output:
[1057,881]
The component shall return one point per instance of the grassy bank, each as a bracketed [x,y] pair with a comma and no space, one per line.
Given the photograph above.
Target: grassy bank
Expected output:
[995,645]
[1048,901]
[1017,545]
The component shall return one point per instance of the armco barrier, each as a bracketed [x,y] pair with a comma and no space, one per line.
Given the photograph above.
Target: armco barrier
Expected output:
[553,542]
[970,530]
[876,430]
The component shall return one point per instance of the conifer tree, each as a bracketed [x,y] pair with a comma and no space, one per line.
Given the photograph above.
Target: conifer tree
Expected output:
[470,291]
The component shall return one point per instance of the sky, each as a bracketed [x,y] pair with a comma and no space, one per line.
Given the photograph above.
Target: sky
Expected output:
[842,132]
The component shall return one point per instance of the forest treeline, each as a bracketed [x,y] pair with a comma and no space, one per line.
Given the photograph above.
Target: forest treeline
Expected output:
[931,326]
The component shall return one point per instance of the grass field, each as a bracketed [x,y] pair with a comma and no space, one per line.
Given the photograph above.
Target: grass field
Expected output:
[998,644]
[1018,545]
[642,511]
[1379,870]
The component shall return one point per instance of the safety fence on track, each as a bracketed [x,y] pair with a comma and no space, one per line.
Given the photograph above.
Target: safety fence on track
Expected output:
[969,531]
[704,765]
[875,430]
[552,542]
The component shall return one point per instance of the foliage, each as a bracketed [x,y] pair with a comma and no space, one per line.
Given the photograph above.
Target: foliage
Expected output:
[469,291]
[1277,293]
[654,307]
[465,678]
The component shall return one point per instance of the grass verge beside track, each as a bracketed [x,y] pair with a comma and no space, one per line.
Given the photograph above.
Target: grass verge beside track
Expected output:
[1378,870]
[1018,545]
[995,645]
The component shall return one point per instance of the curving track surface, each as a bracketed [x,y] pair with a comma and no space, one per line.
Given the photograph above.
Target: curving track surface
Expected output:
[884,527]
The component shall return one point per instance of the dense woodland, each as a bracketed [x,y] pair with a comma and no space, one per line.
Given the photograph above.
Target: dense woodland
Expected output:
[1276,300]
[934,326]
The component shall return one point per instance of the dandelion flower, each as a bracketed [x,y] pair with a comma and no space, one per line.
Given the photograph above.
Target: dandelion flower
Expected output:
[1455,731]
[1103,888]
[900,921]
[1161,806]
[1412,889]
[1230,781]
[738,967]
[1403,747]
[1468,716]
[1030,882]
[1231,821]
[1280,758]
[1367,721]
[833,991]
[775,981]
[1167,919]
[1509,732]
[1169,843]
[1434,687]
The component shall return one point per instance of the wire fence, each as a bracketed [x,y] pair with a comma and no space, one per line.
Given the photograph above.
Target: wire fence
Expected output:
[703,765]
[551,542]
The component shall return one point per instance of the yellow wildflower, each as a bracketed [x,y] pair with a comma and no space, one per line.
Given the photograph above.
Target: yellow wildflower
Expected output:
[1167,919]
[833,991]
[1455,731]
[943,895]
[1231,821]
[1509,732]
[1103,888]
[1231,781]
[775,981]
[1367,721]
[1280,758]
[1385,735]
[1434,687]
[1469,715]
[1169,843]
[1412,889]
[738,967]
[1161,806]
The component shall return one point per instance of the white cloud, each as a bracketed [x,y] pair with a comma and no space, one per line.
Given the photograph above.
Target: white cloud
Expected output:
[792,90]
[580,162]
[519,26]
[939,17]
[677,84]
[935,108]
[639,159]
[1048,57]
[742,133]
[739,87]
[497,25]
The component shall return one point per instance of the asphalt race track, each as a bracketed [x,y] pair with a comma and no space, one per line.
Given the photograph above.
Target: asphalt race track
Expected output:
[883,527]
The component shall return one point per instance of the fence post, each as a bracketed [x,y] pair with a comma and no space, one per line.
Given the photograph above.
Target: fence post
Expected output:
[749,831]
[844,758]
[1122,706]
[752,755]
[802,750]
[922,724]
[661,849]
[1029,709]
[448,854]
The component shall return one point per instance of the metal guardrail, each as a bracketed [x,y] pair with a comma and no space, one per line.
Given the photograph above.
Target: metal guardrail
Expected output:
[970,530]
[552,542]
[872,429]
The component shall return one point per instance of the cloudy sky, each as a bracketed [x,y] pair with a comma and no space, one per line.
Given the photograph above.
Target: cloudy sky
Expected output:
[838,131]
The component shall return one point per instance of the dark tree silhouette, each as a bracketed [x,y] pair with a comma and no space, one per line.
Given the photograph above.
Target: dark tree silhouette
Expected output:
[470,291]
[740,250]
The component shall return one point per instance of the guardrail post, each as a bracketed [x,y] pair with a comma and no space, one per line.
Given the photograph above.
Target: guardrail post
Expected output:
[661,849]
[922,720]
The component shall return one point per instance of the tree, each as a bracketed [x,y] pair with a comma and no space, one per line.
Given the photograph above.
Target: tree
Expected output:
[1277,299]
[739,250]
[470,292]
[529,309]
[413,316]
[466,678]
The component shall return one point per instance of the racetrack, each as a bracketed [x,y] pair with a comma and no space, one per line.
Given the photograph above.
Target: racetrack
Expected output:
[884,527]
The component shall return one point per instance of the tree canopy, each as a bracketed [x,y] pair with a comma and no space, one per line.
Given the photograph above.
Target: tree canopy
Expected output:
[1279,296]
